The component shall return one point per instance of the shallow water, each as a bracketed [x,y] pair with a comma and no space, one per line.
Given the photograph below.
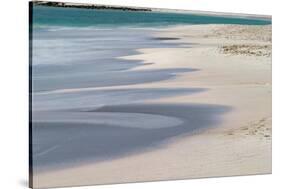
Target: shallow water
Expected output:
[76,17]
[75,121]
[62,144]
[89,58]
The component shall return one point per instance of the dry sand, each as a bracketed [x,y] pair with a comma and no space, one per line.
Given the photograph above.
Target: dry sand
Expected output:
[234,64]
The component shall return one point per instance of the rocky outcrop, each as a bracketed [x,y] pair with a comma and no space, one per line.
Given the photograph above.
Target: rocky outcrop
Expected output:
[88,6]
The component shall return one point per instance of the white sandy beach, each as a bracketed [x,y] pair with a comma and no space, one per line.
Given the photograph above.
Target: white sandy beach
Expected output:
[234,64]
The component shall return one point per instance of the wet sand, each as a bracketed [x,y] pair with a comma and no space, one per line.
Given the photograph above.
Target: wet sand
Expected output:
[222,128]
[63,140]
[81,114]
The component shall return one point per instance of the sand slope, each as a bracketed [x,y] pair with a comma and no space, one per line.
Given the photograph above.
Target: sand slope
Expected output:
[234,64]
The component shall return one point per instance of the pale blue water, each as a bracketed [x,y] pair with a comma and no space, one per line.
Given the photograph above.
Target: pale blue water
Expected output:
[57,16]
[76,56]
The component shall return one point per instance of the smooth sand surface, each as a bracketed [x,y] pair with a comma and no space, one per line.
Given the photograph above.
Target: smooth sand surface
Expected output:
[234,64]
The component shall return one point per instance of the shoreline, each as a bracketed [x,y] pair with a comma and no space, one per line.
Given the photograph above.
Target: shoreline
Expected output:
[241,79]
[133,8]
[87,6]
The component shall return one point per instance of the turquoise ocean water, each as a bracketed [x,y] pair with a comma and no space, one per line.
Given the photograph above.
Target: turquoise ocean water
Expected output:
[58,16]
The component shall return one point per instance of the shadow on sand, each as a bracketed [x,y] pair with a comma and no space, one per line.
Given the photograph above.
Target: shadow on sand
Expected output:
[59,144]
